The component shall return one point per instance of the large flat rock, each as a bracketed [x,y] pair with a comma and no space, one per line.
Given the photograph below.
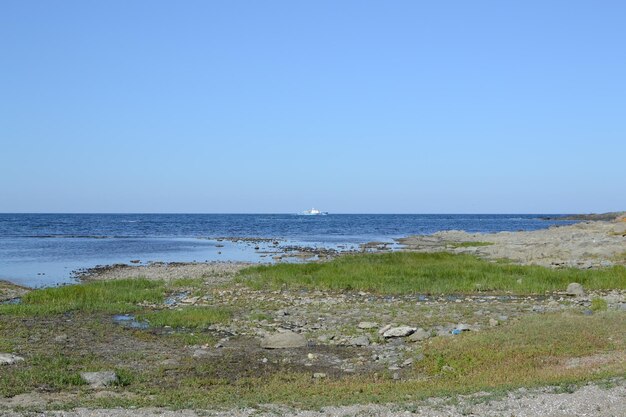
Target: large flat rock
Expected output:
[285,340]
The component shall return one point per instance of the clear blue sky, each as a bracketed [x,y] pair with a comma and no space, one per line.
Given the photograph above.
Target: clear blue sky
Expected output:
[277,106]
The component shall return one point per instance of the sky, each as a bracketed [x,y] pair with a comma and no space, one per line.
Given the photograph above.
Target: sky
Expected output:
[280,106]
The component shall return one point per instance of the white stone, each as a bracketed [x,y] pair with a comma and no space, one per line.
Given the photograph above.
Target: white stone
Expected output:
[401,331]
[9,359]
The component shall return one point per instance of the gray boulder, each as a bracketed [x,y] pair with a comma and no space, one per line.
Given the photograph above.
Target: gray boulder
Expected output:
[99,379]
[419,335]
[359,341]
[575,289]
[286,340]
[401,331]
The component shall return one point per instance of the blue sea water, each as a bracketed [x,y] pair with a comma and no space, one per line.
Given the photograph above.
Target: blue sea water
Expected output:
[43,249]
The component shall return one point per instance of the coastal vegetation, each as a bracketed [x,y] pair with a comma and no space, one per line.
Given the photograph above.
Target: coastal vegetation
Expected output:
[430,273]
[555,349]
[121,296]
[197,343]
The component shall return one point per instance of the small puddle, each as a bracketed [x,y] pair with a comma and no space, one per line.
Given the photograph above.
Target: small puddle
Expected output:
[128,320]
[17,300]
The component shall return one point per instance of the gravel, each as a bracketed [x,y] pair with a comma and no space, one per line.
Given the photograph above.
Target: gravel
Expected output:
[590,400]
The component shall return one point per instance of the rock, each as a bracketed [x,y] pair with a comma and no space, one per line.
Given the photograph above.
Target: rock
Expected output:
[9,359]
[200,353]
[62,338]
[319,375]
[401,331]
[463,327]
[99,379]
[575,289]
[384,329]
[286,340]
[359,341]
[493,322]
[367,325]
[419,335]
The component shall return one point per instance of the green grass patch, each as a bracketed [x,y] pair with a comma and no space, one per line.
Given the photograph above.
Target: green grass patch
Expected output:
[543,349]
[599,304]
[469,244]
[102,296]
[188,317]
[410,272]
[55,371]
[187,283]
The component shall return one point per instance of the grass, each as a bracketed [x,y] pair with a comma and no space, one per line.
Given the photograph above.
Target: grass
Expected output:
[469,244]
[599,304]
[409,272]
[189,317]
[187,283]
[533,352]
[103,296]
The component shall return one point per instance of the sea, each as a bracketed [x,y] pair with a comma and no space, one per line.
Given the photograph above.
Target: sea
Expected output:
[39,250]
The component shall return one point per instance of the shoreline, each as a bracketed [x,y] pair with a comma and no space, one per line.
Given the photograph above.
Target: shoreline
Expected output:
[409,330]
[592,244]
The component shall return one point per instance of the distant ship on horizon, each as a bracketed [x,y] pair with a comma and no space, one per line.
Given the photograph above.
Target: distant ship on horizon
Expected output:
[313,212]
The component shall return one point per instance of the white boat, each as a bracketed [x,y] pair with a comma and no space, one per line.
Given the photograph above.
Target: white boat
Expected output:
[314,212]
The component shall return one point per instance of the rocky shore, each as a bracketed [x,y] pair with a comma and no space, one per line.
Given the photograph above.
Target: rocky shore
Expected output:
[10,291]
[582,245]
[214,272]
[310,337]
